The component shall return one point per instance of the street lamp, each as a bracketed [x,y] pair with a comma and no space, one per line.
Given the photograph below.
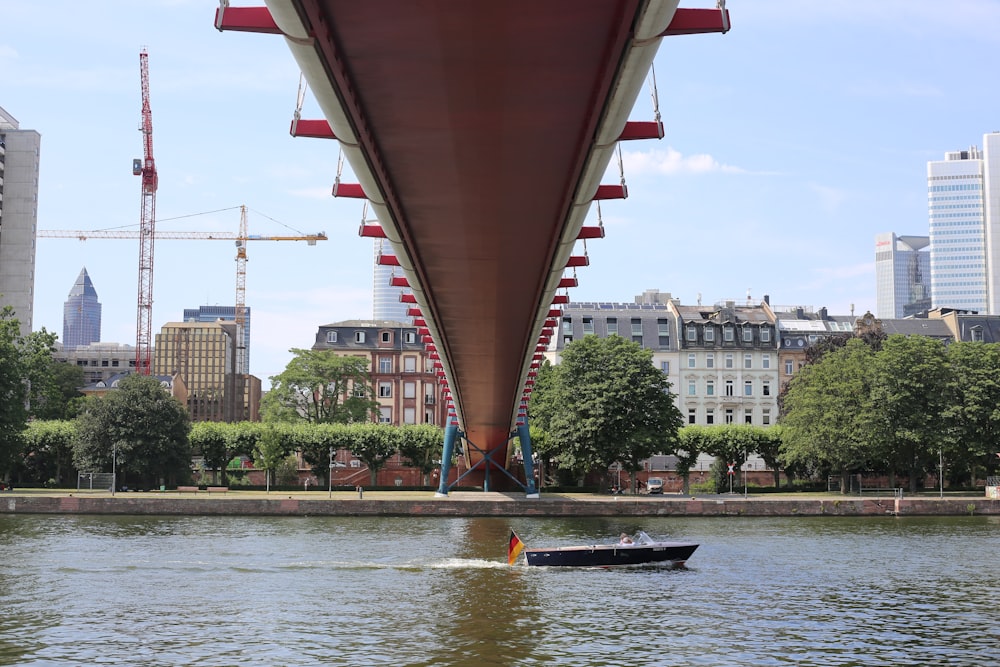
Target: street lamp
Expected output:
[114,466]
[941,473]
[329,476]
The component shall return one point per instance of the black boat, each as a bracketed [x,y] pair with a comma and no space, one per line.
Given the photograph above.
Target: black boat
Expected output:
[639,551]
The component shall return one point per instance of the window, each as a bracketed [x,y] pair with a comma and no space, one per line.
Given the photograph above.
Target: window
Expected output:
[663,331]
[637,330]
[691,362]
[765,387]
[386,336]
[709,333]
[765,335]
[692,413]
[710,360]
[710,416]
[359,391]
[729,415]
[331,336]
[612,326]
[567,326]
[747,335]
[747,361]
[410,337]
[977,334]
[710,387]
[428,417]
[765,361]
[748,387]
[665,367]
[692,333]
[588,326]
[385,390]
[765,417]
[729,360]
[409,364]
[409,390]
[385,364]
[729,389]
[359,336]
[727,334]
[788,367]
[384,417]
[748,416]
[409,416]
[692,388]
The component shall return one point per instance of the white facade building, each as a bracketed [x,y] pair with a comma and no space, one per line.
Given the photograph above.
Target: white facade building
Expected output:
[19,153]
[385,297]
[958,224]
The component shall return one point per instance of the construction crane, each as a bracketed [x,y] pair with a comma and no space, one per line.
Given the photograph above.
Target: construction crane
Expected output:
[147,223]
[240,239]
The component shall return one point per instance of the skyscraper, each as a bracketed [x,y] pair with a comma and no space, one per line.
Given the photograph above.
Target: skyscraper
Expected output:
[81,314]
[226,314]
[387,306]
[19,151]
[902,275]
[964,211]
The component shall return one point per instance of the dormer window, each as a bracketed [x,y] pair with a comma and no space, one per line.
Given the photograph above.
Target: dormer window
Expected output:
[709,333]
[359,336]
[727,334]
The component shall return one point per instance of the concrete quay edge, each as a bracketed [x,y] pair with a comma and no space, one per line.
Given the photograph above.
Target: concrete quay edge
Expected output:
[480,504]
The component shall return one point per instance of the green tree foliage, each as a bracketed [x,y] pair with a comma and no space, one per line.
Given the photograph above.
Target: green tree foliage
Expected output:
[374,444]
[320,387]
[144,427]
[48,453]
[13,392]
[606,402]
[421,446]
[212,440]
[974,413]
[53,386]
[908,400]
[827,403]
[270,449]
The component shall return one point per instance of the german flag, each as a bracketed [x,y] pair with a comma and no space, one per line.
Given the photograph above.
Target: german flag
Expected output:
[514,548]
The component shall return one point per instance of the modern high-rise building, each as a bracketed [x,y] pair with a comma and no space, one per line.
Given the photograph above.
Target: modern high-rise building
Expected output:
[19,152]
[387,306]
[203,355]
[965,241]
[226,314]
[81,314]
[902,275]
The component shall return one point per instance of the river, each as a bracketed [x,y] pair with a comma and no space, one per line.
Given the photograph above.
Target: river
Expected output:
[221,591]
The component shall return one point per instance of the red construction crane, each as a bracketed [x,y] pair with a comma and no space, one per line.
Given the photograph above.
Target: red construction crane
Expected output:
[147,223]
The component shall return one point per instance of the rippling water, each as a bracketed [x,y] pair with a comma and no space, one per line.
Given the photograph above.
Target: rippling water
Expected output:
[437,591]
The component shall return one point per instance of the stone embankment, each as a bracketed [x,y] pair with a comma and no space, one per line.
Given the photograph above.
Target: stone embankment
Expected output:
[482,504]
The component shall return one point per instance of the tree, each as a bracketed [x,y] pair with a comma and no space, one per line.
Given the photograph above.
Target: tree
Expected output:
[320,387]
[53,386]
[825,427]
[270,450]
[606,402]
[48,453]
[974,414]
[421,446]
[374,444]
[909,399]
[140,429]
[212,441]
[13,392]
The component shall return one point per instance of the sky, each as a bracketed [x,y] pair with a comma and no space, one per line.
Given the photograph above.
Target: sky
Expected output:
[791,141]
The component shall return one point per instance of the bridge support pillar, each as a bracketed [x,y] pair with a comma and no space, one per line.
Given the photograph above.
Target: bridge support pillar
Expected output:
[524,436]
[450,435]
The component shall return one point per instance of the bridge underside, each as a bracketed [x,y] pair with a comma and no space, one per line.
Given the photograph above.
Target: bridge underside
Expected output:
[479,132]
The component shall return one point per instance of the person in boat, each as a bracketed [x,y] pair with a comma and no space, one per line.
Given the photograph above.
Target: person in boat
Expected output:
[625,539]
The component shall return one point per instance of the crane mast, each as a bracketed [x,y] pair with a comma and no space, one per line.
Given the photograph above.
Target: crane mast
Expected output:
[147,224]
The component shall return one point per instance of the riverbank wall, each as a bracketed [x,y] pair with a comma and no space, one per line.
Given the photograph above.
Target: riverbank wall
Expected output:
[489,504]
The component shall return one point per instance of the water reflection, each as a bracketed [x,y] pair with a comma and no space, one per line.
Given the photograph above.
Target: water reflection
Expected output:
[431,591]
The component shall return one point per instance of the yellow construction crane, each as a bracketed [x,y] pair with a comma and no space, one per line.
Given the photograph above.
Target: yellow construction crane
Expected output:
[240,239]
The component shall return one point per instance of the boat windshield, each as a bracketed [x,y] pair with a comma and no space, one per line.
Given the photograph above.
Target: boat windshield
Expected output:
[642,538]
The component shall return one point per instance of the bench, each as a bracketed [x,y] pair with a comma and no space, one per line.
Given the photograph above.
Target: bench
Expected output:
[217,489]
[187,489]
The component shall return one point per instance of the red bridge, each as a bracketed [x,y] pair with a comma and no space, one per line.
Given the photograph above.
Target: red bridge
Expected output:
[479,132]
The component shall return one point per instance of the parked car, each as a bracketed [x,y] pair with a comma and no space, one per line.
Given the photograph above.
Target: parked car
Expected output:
[654,485]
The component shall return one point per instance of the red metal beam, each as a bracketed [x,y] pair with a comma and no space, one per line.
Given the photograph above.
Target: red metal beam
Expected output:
[246,19]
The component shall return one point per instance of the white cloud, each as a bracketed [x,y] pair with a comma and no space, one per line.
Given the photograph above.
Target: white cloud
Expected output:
[671,161]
